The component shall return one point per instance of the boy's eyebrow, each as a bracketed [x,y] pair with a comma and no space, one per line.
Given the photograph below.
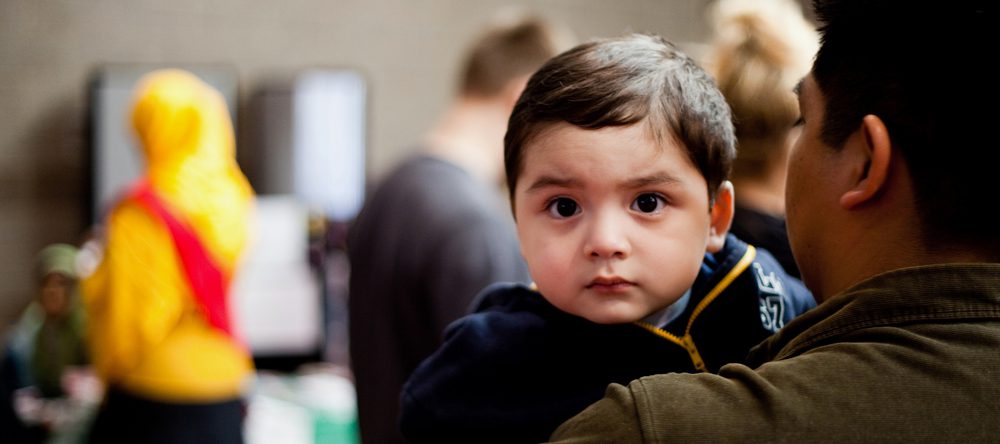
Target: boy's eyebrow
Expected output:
[549,181]
[639,182]
[655,179]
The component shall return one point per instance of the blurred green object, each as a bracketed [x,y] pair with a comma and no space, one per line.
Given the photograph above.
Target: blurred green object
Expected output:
[56,390]
[312,407]
[329,430]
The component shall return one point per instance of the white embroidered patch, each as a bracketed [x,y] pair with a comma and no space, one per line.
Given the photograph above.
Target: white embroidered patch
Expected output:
[772,302]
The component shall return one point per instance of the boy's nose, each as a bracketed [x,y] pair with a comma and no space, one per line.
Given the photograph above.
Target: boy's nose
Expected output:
[607,239]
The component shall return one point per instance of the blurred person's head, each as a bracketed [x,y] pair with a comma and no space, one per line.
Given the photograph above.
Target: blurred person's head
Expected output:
[55,271]
[513,46]
[895,163]
[496,67]
[760,50]
[617,157]
[186,134]
[177,117]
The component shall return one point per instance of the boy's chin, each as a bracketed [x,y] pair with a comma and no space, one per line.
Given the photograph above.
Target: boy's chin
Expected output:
[612,317]
[605,310]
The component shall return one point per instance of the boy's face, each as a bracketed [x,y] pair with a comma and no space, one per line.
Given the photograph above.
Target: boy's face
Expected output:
[613,226]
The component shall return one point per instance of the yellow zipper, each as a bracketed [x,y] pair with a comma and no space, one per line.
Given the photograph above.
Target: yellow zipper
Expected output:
[687,341]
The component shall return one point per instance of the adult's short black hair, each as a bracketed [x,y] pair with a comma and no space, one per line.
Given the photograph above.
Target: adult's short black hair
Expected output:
[922,68]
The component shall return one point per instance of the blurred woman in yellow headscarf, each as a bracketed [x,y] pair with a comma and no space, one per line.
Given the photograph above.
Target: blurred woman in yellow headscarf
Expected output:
[160,335]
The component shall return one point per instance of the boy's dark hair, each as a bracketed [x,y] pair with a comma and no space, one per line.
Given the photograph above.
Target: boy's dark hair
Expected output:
[620,82]
[510,48]
[921,68]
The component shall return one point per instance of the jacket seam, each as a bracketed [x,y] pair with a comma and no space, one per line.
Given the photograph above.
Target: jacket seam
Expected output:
[956,314]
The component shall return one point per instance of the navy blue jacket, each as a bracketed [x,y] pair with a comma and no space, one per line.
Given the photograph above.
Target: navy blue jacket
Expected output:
[518,367]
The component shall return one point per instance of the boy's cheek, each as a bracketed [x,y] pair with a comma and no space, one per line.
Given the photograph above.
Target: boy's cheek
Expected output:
[551,265]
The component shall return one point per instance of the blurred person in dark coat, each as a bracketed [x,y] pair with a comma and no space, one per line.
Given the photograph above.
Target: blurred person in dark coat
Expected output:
[435,232]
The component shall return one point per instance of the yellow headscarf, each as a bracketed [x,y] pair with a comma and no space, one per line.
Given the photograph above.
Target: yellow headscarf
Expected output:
[185,132]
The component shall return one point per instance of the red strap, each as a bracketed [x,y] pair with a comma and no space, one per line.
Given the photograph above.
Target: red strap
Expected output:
[206,279]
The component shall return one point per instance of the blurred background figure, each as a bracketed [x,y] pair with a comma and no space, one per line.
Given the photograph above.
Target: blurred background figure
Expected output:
[58,338]
[160,333]
[46,356]
[760,50]
[436,230]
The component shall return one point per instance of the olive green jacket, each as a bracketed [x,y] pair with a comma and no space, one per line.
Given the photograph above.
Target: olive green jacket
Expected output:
[912,355]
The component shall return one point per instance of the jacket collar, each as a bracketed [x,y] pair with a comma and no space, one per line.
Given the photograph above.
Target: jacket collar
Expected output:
[928,293]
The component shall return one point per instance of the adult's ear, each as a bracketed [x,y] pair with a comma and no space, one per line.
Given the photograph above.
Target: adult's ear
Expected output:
[722,217]
[871,170]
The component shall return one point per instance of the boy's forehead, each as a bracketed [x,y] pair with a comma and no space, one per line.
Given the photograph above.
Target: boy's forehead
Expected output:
[662,139]
[562,147]
[541,135]
[541,130]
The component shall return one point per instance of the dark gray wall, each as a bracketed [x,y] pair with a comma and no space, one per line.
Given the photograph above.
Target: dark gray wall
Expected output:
[408,50]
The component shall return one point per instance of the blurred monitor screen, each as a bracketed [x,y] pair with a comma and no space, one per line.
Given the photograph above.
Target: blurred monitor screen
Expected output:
[276,295]
[312,135]
[329,131]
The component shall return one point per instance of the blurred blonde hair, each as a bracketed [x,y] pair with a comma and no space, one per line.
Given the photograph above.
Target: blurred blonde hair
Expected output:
[760,50]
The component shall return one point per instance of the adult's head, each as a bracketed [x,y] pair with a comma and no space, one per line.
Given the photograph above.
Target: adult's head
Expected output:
[505,54]
[496,67]
[635,79]
[895,164]
[760,50]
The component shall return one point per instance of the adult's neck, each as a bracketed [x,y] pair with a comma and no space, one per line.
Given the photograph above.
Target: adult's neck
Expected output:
[470,135]
[883,244]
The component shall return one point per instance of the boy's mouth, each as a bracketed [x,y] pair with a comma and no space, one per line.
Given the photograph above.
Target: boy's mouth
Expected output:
[610,284]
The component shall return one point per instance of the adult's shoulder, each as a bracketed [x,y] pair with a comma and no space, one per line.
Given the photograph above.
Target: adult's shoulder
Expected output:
[872,387]
[430,197]
[735,406]
[435,195]
[433,177]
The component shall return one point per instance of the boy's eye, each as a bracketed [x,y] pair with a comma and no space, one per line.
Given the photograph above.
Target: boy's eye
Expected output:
[648,203]
[799,122]
[563,207]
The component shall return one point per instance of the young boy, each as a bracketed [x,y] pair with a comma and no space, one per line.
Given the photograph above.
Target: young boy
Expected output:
[617,155]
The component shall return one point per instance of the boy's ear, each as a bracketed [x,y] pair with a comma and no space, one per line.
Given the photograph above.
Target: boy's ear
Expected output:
[870,170]
[722,217]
